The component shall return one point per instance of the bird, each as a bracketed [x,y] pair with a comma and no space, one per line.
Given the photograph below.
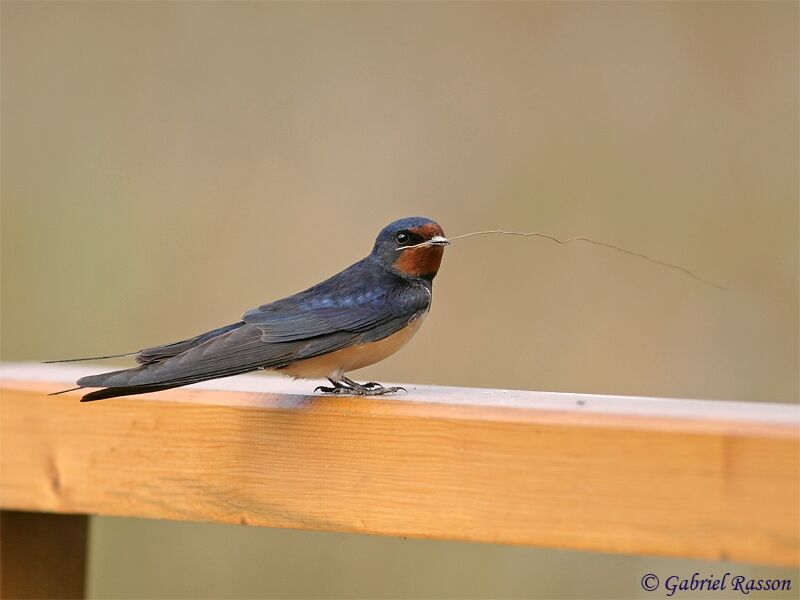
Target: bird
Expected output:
[356,318]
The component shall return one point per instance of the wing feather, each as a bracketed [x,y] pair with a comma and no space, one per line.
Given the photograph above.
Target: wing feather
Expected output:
[362,299]
[165,351]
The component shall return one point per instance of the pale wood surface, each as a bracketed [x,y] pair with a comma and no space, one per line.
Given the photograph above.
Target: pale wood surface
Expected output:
[689,478]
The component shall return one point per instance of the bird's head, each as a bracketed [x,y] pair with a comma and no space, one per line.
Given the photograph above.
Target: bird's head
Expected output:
[411,247]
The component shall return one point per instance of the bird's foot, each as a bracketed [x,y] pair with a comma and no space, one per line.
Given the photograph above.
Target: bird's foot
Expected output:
[338,390]
[371,388]
[348,387]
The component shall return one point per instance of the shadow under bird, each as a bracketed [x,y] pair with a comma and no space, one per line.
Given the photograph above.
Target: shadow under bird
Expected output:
[354,319]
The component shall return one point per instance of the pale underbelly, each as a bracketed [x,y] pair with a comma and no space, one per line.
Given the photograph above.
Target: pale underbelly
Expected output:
[342,361]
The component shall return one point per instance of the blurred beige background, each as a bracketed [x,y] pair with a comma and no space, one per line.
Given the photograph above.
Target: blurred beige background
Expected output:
[166,166]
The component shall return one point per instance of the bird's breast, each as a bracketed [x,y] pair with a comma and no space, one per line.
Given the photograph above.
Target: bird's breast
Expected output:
[334,364]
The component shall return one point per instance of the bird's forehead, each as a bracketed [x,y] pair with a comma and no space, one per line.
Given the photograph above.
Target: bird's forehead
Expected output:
[427,230]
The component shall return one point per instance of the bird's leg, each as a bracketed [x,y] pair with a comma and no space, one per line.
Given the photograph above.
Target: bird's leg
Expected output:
[371,388]
[339,388]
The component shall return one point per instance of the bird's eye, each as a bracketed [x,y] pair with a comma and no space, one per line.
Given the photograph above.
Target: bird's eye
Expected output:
[402,238]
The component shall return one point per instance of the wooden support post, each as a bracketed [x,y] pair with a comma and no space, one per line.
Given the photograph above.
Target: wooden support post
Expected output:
[42,555]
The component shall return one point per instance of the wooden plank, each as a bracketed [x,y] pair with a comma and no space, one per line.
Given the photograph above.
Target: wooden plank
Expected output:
[702,479]
[42,555]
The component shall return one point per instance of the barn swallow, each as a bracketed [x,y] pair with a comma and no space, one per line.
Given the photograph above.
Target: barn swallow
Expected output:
[354,319]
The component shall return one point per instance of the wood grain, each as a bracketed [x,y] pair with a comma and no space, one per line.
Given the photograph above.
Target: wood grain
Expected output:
[702,479]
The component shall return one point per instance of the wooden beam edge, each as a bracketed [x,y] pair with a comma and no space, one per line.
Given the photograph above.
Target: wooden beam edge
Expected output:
[733,442]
